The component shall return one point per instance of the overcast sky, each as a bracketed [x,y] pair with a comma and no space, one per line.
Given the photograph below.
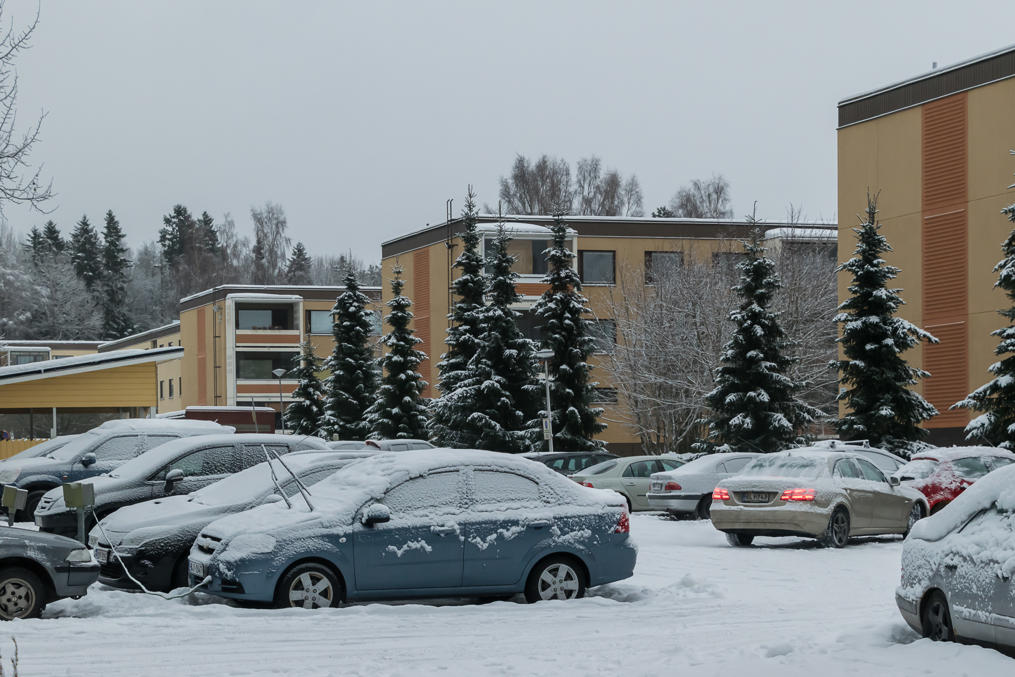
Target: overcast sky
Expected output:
[362,118]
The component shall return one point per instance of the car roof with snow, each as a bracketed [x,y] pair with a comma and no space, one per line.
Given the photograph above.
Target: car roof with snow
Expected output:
[148,425]
[954,453]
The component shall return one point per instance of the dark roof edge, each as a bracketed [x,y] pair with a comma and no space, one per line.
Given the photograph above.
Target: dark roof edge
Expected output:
[156,332]
[308,292]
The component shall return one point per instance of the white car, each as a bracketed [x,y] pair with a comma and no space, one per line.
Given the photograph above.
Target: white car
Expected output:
[688,489]
[958,564]
[629,476]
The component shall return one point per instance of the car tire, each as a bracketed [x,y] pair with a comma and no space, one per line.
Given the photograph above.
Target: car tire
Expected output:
[309,586]
[936,619]
[704,509]
[22,594]
[837,532]
[915,515]
[739,540]
[555,578]
[31,503]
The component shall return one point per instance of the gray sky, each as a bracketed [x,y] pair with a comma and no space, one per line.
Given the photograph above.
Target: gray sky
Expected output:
[362,118]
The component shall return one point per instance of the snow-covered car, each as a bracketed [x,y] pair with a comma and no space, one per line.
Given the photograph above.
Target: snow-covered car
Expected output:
[886,461]
[153,538]
[942,474]
[437,523]
[398,445]
[36,569]
[629,476]
[96,452]
[958,565]
[688,489]
[818,493]
[40,449]
[569,462]
[174,468]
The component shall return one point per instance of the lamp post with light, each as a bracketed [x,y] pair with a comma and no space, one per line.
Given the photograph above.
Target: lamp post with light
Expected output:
[279,373]
[546,356]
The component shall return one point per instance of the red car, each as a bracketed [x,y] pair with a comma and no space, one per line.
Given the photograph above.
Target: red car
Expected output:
[942,474]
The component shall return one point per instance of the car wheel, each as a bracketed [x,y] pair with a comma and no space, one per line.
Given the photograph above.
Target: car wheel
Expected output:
[309,586]
[915,515]
[935,619]
[837,532]
[555,578]
[31,503]
[704,510]
[739,540]
[22,594]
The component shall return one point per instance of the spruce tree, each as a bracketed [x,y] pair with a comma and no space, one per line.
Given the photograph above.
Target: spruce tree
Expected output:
[207,236]
[754,406]
[297,270]
[448,413]
[874,378]
[57,245]
[996,398]
[177,235]
[351,387]
[86,253]
[37,246]
[305,415]
[562,312]
[398,411]
[113,293]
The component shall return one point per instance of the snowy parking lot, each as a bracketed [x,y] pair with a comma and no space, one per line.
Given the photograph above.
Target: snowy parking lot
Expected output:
[695,606]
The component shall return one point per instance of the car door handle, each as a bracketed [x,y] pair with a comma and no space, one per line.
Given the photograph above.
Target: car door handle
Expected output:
[444,531]
[629,484]
[539,524]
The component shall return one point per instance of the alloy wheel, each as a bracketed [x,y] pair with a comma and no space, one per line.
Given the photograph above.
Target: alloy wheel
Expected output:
[558,581]
[17,598]
[840,528]
[311,590]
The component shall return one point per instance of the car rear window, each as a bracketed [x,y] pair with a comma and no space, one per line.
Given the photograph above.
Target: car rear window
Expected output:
[918,469]
[601,468]
[786,466]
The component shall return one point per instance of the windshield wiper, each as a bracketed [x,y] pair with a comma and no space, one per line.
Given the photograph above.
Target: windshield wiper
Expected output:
[304,492]
[274,478]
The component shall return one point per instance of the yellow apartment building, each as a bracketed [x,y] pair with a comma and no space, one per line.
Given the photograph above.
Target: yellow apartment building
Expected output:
[169,381]
[607,249]
[936,148]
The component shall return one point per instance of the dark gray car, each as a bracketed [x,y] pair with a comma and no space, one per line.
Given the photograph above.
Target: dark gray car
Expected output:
[37,568]
[175,468]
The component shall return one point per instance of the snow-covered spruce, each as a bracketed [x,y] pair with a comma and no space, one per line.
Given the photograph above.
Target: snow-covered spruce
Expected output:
[398,411]
[448,413]
[113,281]
[86,253]
[874,378]
[562,312]
[305,416]
[351,385]
[996,398]
[297,269]
[754,405]
[499,388]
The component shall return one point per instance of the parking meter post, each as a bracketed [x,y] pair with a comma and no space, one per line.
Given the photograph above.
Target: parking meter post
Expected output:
[13,500]
[81,524]
[81,497]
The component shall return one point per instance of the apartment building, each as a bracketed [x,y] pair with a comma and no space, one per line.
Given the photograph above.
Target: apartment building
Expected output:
[169,385]
[935,148]
[609,251]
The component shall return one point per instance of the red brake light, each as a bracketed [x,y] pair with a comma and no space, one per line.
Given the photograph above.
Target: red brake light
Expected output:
[623,524]
[720,494]
[587,484]
[671,486]
[797,494]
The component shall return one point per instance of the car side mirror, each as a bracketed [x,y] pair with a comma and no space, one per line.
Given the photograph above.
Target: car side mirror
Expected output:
[172,477]
[88,459]
[376,513]
[894,481]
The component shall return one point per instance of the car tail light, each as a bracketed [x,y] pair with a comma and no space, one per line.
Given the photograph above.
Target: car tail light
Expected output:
[720,494]
[797,494]
[671,486]
[587,484]
[623,524]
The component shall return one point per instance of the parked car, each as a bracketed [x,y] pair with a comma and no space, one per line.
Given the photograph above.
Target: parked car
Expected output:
[569,462]
[96,452]
[398,445]
[828,495]
[36,569]
[886,461]
[629,476]
[349,445]
[957,567]
[687,490]
[175,468]
[153,538]
[433,524]
[40,449]
[942,474]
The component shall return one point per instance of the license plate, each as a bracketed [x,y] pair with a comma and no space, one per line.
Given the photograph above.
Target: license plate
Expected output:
[657,486]
[197,569]
[755,497]
[102,555]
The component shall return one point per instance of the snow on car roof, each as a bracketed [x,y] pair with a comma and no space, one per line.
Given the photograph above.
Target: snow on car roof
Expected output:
[161,424]
[953,453]
[994,487]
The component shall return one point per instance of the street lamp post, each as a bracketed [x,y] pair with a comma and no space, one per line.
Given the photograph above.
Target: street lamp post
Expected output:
[546,356]
[279,373]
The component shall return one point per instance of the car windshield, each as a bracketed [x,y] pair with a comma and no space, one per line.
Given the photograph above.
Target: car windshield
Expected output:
[807,467]
[75,447]
[917,469]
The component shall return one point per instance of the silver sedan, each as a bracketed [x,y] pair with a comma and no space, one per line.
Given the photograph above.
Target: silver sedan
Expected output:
[629,476]
[688,489]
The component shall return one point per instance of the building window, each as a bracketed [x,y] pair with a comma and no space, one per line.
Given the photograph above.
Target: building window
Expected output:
[319,322]
[662,263]
[597,267]
[162,390]
[375,323]
[179,384]
[528,324]
[604,333]
[155,343]
[265,317]
[171,384]
[605,396]
[28,357]
[258,365]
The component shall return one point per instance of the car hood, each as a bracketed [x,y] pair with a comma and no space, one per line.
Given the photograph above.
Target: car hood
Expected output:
[30,538]
[38,465]
[161,517]
[274,518]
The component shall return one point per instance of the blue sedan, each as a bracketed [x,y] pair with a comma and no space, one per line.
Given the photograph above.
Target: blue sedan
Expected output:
[428,524]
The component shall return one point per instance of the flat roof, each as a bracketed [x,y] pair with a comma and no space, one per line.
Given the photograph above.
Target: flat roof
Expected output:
[69,345]
[934,84]
[307,292]
[84,363]
[592,226]
[165,330]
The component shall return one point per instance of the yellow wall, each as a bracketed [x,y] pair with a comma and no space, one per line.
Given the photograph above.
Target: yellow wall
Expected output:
[130,386]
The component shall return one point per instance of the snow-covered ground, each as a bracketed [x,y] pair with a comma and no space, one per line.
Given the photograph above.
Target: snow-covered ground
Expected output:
[695,606]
